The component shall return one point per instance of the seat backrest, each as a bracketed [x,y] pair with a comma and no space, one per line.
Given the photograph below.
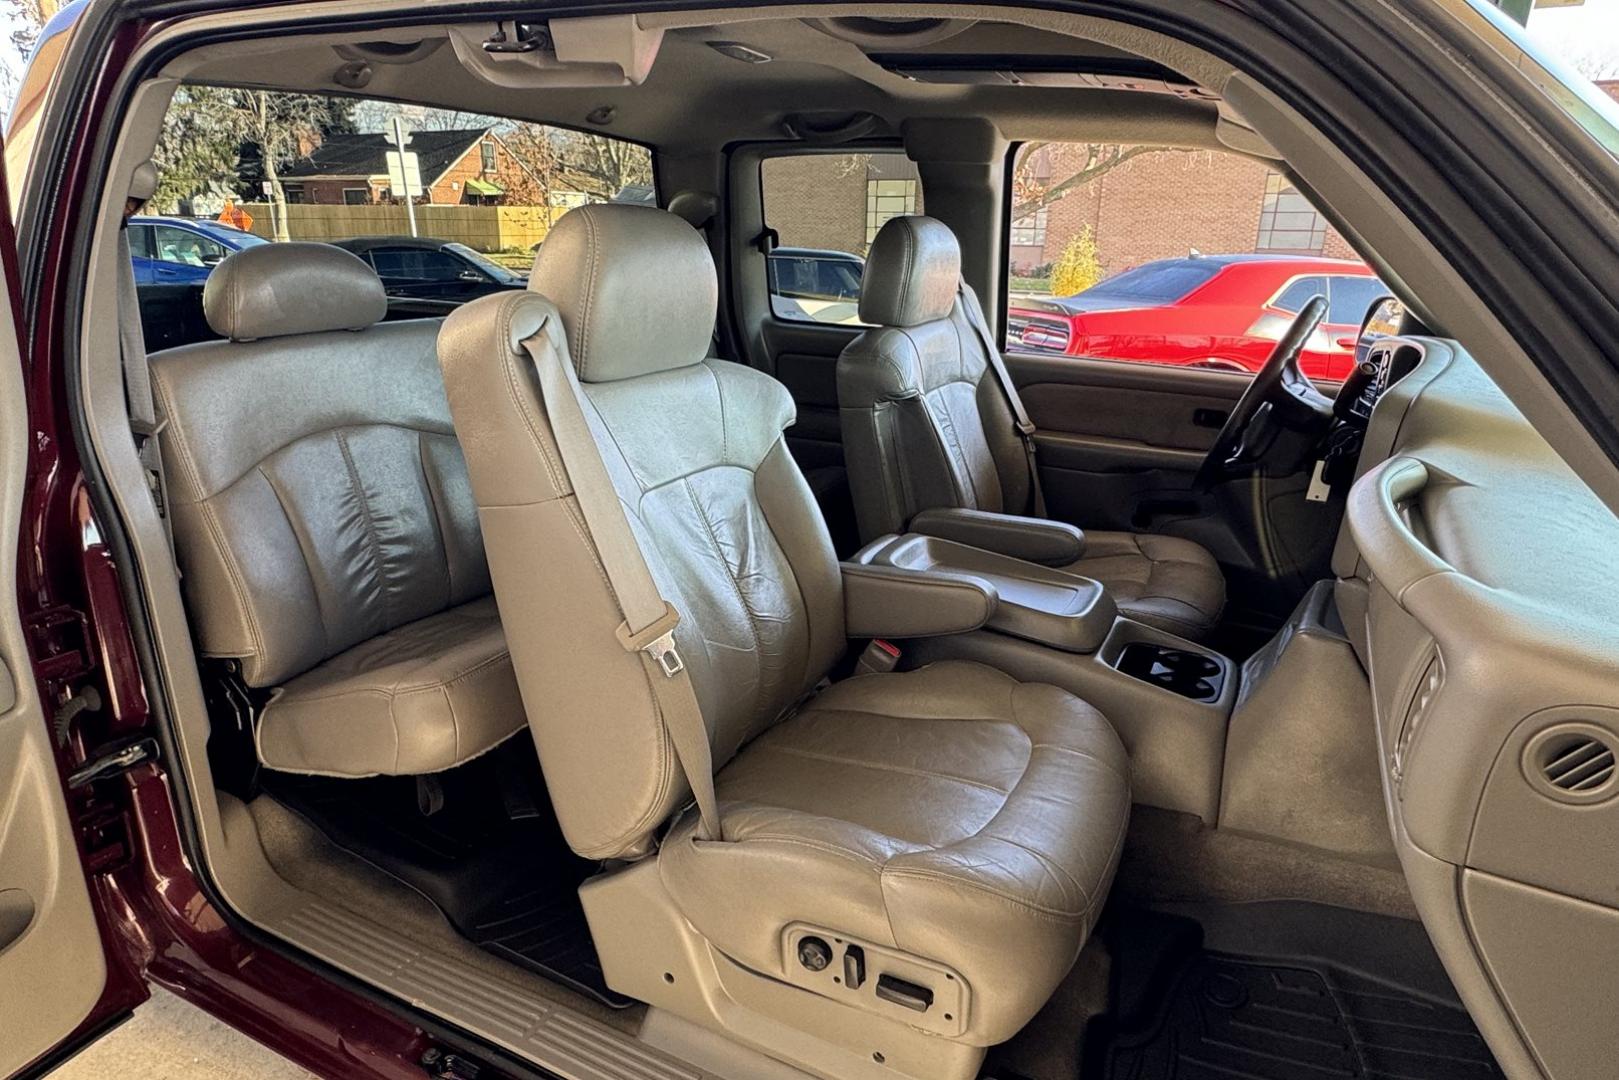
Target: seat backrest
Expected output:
[723,516]
[924,422]
[318,494]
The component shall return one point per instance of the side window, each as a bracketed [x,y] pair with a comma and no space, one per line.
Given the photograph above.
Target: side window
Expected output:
[140,241]
[1352,297]
[485,188]
[172,245]
[1150,254]
[826,210]
[1293,298]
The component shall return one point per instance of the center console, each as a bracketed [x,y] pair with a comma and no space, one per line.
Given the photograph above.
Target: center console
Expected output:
[1168,698]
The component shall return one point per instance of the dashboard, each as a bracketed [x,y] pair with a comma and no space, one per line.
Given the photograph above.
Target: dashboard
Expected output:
[1478,579]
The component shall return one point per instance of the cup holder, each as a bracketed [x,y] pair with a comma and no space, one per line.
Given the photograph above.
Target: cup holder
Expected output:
[1190,674]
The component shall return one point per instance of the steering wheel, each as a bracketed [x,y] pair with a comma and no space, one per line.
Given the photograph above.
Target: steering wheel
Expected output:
[1279,392]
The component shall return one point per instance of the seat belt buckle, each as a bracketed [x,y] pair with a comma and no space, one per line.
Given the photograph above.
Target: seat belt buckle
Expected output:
[878,658]
[657,640]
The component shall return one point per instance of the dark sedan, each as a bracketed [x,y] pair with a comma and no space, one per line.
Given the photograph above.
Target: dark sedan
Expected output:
[422,268]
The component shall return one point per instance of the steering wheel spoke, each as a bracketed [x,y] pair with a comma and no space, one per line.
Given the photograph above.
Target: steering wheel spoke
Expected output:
[1281,382]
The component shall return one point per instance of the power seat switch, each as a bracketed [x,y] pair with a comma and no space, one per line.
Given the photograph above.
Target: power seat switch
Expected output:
[854,967]
[907,994]
[814,954]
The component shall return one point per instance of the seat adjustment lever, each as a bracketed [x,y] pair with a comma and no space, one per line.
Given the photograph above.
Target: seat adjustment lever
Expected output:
[908,994]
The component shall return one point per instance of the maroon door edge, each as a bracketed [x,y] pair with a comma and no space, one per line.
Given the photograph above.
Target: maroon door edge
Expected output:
[158,918]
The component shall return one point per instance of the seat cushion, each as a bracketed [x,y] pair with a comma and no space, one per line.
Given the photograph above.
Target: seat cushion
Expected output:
[424,697]
[1162,581]
[951,812]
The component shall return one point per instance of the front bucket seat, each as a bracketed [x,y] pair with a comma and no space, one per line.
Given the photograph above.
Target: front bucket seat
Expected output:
[927,424]
[951,818]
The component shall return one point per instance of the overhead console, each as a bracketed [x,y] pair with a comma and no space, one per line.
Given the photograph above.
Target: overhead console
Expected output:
[600,50]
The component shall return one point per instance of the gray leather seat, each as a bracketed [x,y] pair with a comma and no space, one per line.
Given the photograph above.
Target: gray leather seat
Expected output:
[926,425]
[950,812]
[324,522]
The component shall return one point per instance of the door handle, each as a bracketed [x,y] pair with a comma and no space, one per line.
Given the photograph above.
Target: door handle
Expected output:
[1210,418]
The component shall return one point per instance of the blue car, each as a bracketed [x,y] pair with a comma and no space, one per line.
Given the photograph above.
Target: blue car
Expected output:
[182,251]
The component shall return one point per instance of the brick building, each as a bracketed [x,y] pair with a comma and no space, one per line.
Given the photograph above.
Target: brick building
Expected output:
[460,167]
[1164,204]
[838,201]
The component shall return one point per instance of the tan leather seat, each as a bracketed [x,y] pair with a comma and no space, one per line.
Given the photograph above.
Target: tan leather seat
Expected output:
[951,813]
[926,425]
[324,522]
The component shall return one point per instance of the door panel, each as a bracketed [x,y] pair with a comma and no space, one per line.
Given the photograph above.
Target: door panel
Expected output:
[805,358]
[1119,443]
[52,969]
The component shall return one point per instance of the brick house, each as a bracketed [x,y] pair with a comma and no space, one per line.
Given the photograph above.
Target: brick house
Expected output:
[470,166]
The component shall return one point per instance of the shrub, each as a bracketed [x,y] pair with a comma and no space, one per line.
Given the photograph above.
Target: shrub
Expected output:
[1079,267]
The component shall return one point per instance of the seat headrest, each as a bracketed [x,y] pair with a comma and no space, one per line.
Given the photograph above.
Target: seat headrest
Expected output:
[275,290]
[635,286]
[912,273]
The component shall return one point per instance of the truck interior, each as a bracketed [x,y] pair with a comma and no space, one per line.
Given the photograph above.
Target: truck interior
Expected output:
[1007,714]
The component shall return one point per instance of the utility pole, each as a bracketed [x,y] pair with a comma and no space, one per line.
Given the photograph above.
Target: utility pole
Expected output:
[404,172]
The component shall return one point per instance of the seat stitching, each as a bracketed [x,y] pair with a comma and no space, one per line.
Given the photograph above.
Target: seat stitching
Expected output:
[960,881]
[1049,861]
[406,691]
[438,523]
[730,571]
[835,759]
[590,292]
[814,845]
[372,539]
[297,536]
[1055,748]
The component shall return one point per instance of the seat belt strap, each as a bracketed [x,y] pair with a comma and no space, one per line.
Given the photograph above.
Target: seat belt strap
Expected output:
[138,382]
[649,620]
[997,365]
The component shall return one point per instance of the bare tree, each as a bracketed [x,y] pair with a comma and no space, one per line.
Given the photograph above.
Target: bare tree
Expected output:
[1032,193]
[282,127]
[604,165]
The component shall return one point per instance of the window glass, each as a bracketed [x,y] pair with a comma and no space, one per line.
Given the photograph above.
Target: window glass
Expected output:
[415,264]
[1295,296]
[287,166]
[1351,298]
[182,246]
[826,210]
[140,241]
[1166,255]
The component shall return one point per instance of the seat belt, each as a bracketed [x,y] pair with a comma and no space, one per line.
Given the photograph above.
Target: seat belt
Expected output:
[143,420]
[649,620]
[1020,418]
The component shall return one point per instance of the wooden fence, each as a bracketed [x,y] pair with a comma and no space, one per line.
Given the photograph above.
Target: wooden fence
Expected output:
[483,228]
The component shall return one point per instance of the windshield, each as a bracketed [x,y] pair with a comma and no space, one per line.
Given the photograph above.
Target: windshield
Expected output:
[488,266]
[1570,52]
[1156,282]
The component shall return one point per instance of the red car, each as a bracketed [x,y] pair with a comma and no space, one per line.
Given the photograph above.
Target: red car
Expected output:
[1219,311]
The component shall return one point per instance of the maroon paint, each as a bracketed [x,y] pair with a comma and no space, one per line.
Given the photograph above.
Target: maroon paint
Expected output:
[155,921]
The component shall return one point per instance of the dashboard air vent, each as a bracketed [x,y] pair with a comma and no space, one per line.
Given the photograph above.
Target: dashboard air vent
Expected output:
[1573,763]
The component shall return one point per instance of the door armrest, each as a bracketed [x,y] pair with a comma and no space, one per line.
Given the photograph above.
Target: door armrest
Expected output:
[887,602]
[1036,540]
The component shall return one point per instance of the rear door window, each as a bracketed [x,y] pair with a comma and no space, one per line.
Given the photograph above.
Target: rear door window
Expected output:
[826,210]
[1351,298]
[1293,298]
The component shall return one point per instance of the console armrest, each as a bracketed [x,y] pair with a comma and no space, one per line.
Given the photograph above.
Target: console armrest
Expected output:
[1036,540]
[887,602]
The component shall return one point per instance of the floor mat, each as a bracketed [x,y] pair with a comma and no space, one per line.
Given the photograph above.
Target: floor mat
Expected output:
[1344,1005]
[491,857]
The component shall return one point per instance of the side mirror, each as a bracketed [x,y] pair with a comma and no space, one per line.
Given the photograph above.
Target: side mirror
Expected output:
[1383,319]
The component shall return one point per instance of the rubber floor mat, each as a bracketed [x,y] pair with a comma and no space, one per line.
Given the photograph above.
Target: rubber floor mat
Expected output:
[492,858]
[1187,1013]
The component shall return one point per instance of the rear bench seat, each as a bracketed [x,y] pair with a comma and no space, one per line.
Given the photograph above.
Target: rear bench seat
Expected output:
[324,522]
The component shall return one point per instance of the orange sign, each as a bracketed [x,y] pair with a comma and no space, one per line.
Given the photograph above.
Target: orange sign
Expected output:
[235,215]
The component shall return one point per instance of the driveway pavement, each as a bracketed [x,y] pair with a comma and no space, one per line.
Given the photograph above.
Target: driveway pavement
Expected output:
[170,1040]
